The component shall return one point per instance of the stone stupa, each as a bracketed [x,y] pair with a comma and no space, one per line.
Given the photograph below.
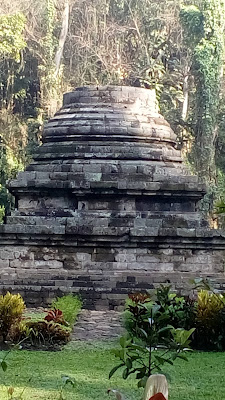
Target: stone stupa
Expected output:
[107,207]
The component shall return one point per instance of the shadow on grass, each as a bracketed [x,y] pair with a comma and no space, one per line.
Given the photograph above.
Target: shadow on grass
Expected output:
[89,364]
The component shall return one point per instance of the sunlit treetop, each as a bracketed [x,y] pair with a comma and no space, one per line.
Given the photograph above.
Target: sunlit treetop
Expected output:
[11,35]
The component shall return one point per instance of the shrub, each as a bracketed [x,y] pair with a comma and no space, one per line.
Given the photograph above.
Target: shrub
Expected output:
[70,305]
[47,333]
[40,333]
[168,308]
[206,314]
[12,307]
[210,321]
[18,332]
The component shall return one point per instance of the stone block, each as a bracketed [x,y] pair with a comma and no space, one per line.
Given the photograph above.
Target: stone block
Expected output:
[208,232]
[6,254]
[41,176]
[151,231]
[152,186]
[4,264]
[71,265]
[51,264]
[92,168]
[186,232]
[147,258]
[20,263]
[125,257]
[83,257]
[59,176]
[154,223]
[93,176]
[170,232]
[103,257]
[140,223]
[137,231]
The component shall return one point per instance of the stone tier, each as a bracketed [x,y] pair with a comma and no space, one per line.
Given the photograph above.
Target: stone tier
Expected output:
[109,114]
[107,148]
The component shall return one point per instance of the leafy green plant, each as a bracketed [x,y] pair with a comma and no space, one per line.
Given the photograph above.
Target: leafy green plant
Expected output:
[209,317]
[11,310]
[152,349]
[178,310]
[66,380]
[220,209]
[3,362]
[204,311]
[137,311]
[70,305]
[11,34]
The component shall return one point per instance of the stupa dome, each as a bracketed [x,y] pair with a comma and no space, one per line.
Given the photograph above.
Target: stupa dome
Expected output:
[112,141]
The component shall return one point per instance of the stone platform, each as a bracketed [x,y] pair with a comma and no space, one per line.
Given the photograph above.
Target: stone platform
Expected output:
[107,207]
[98,325]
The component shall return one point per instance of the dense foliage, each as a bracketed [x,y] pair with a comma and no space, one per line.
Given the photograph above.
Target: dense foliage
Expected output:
[205,312]
[48,47]
[11,310]
[48,330]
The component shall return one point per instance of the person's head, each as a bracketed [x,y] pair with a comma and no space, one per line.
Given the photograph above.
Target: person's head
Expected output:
[156,385]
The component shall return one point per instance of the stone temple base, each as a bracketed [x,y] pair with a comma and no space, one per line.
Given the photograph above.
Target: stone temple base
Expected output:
[107,206]
[104,276]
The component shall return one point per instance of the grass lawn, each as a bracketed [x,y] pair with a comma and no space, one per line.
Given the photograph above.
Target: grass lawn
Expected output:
[203,377]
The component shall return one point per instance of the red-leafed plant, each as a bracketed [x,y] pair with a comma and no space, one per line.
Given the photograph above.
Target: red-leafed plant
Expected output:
[55,315]
[139,297]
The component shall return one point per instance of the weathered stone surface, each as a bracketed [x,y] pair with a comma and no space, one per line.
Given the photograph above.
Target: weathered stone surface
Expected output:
[94,325]
[107,206]
[106,274]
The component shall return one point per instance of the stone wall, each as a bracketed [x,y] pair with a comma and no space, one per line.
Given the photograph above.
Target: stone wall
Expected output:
[104,276]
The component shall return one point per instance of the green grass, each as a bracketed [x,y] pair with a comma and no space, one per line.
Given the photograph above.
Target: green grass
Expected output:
[89,364]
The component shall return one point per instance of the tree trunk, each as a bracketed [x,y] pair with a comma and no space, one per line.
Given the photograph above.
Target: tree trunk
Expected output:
[63,35]
[184,114]
[185,102]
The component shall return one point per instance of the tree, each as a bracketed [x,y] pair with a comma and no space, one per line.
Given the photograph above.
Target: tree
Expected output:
[203,34]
